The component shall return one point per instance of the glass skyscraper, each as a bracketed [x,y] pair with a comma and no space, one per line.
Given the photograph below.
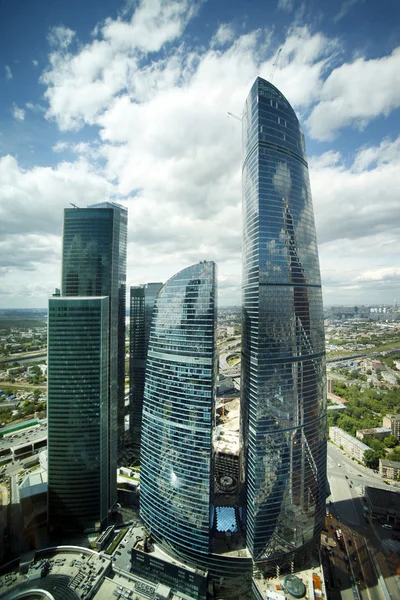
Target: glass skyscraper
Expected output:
[142,300]
[94,264]
[283,405]
[78,475]
[178,411]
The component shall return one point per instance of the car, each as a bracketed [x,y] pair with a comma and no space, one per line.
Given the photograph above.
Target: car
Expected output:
[387,526]
[346,477]
[338,465]
[359,475]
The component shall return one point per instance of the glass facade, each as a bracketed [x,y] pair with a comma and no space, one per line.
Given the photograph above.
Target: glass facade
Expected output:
[94,264]
[78,330]
[283,404]
[178,410]
[142,301]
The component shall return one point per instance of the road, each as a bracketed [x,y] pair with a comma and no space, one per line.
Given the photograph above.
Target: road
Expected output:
[22,386]
[347,483]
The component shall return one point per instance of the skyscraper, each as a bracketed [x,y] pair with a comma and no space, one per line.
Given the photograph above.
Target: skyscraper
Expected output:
[94,264]
[178,411]
[283,406]
[142,300]
[78,475]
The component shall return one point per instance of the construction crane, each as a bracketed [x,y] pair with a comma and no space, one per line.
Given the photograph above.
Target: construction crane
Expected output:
[234,116]
[274,65]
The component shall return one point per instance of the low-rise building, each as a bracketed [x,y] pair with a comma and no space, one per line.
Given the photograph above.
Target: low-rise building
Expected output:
[336,399]
[377,432]
[389,469]
[350,444]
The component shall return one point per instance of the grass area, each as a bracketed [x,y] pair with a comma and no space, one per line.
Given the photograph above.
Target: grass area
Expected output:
[233,360]
[116,541]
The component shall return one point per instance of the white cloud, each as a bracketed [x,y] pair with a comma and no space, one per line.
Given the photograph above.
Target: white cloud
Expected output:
[33,192]
[285,5]
[18,113]
[225,33]
[346,6]
[80,86]
[60,147]
[8,71]
[35,62]
[355,93]
[358,223]
[60,37]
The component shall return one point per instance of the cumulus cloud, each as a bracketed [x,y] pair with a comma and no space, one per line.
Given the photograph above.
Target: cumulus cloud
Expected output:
[165,145]
[32,192]
[35,63]
[18,113]
[358,222]
[355,93]
[361,200]
[8,71]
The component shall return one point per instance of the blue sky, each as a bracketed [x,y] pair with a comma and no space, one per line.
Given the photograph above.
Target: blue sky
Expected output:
[129,101]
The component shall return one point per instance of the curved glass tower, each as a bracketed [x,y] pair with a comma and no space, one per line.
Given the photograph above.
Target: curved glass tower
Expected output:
[178,411]
[283,403]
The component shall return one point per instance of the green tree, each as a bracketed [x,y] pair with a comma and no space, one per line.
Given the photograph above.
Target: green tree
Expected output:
[391,441]
[371,459]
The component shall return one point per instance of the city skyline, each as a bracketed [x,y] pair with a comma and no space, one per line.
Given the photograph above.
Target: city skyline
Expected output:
[130,103]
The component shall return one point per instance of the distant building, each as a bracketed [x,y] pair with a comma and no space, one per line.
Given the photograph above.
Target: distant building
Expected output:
[349,443]
[142,300]
[377,432]
[77,405]
[389,469]
[329,385]
[336,399]
[392,421]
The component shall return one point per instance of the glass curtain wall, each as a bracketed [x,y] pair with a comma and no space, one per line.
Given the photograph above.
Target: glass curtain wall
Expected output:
[142,301]
[283,404]
[178,410]
[94,264]
[78,412]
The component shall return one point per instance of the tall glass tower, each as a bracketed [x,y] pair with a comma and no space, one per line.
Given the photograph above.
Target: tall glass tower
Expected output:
[283,404]
[77,387]
[178,411]
[142,301]
[94,264]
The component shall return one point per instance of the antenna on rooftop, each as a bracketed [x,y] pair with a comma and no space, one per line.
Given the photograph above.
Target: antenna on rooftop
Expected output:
[275,65]
[74,205]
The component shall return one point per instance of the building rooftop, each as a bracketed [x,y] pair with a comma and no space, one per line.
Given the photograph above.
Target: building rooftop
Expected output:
[389,463]
[374,430]
[350,438]
[384,499]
